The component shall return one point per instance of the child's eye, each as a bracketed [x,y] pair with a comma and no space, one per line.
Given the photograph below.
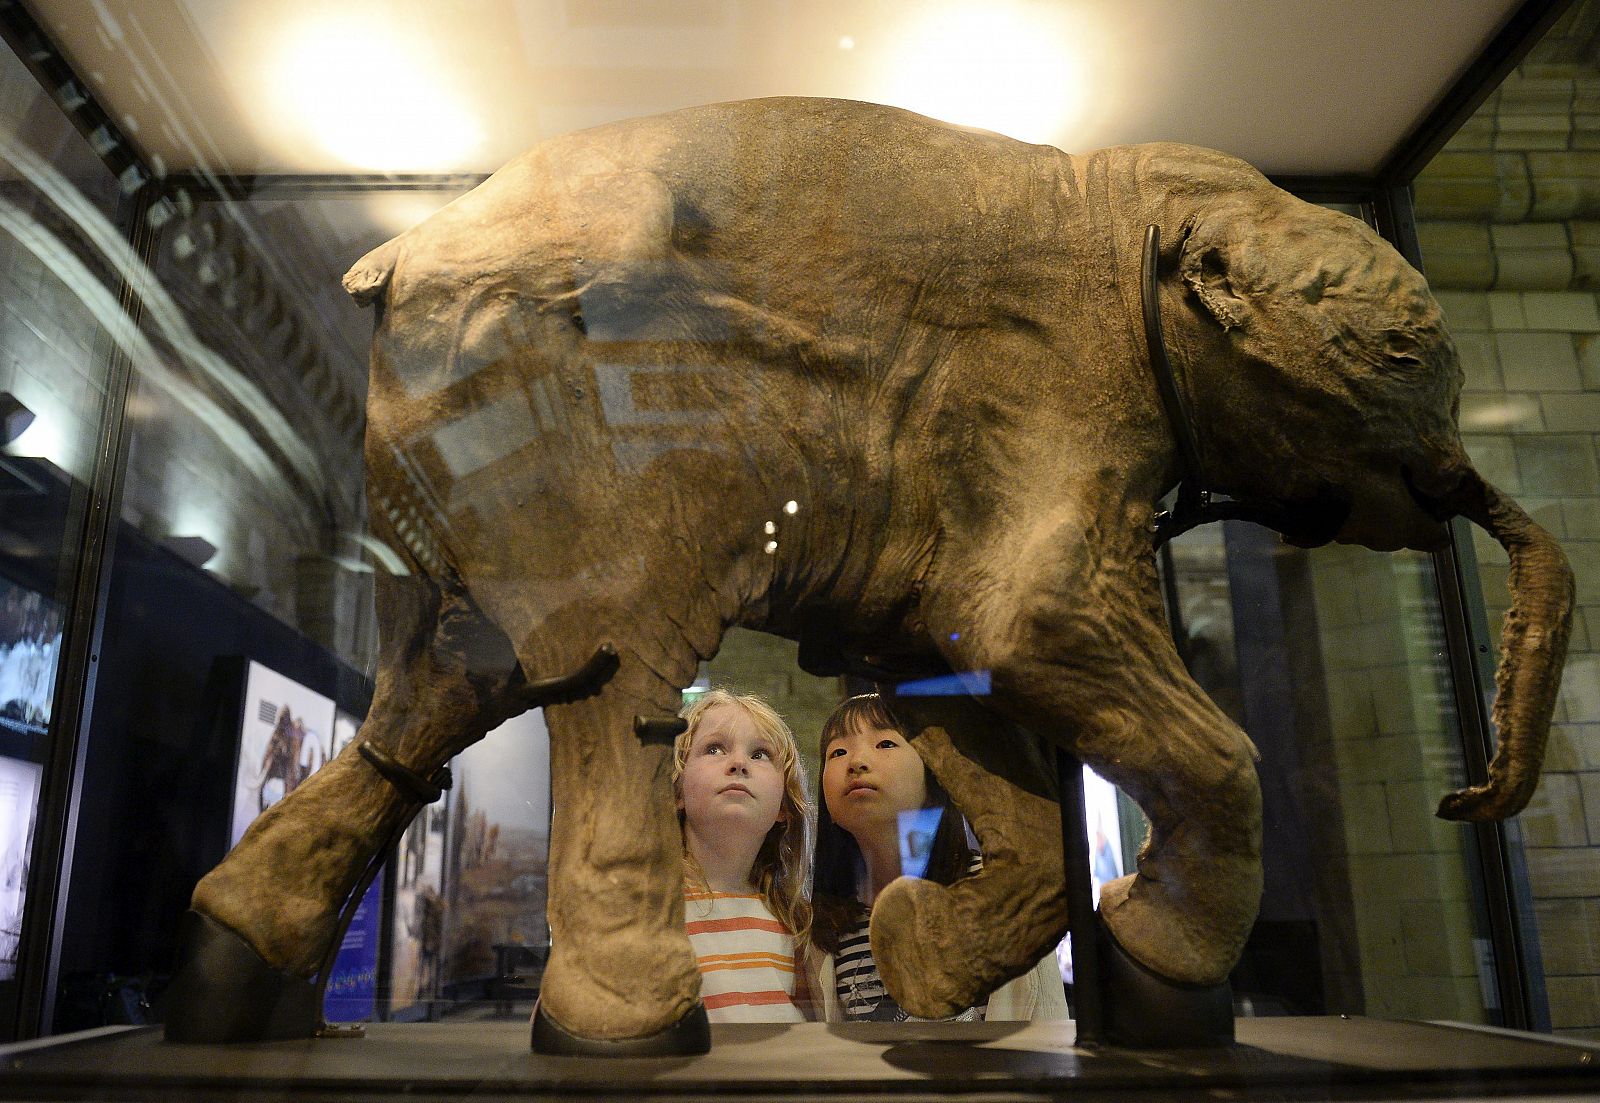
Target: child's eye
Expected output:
[711,748]
[885,744]
[761,752]
[835,752]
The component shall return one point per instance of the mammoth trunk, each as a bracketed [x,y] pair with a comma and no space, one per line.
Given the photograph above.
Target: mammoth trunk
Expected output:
[1533,647]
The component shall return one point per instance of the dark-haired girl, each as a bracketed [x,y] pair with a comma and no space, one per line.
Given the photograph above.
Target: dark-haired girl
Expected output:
[870,775]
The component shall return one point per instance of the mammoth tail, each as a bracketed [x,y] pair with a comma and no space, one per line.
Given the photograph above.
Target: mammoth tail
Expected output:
[1533,648]
[369,276]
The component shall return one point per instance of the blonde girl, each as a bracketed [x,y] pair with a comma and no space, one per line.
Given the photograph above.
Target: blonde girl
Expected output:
[747,856]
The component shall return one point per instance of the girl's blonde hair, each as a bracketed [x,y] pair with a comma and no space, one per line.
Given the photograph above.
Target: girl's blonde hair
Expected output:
[782,869]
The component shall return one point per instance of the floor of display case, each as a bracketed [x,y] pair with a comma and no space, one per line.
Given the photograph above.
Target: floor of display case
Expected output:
[1284,1058]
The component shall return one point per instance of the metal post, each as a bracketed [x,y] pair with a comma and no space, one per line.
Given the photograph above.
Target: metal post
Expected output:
[1087,1005]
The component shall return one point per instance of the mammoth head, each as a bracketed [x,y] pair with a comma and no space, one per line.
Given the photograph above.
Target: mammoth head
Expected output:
[1320,364]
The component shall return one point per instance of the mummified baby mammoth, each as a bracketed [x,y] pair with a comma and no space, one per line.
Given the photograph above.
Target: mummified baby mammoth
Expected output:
[598,380]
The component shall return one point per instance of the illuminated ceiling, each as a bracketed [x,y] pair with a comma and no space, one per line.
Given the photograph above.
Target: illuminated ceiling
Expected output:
[336,86]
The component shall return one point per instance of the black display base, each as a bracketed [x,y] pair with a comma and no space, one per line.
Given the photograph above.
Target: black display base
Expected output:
[222,991]
[688,1037]
[1279,1058]
[1147,1011]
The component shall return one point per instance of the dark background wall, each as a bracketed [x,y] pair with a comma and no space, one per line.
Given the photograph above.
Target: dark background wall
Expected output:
[158,775]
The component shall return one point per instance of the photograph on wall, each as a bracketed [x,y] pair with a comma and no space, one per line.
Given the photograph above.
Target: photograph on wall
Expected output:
[284,736]
[19,804]
[30,642]
[499,849]
[417,941]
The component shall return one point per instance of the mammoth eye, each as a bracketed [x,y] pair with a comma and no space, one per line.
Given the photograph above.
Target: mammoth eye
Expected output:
[1403,349]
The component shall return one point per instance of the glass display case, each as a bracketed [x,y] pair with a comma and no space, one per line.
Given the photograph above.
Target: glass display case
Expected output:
[192,555]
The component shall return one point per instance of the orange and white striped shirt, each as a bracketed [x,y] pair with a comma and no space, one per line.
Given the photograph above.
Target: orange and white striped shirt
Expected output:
[746,958]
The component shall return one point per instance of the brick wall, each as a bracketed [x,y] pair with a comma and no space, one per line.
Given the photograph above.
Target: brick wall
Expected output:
[1393,728]
[1509,221]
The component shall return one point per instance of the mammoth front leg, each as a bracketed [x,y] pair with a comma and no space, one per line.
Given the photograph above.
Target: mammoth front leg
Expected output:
[621,969]
[943,948]
[1079,648]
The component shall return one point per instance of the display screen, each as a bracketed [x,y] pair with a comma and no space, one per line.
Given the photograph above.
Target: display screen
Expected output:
[285,734]
[30,642]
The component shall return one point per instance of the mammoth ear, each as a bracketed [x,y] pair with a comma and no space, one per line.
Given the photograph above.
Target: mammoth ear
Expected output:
[1207,264]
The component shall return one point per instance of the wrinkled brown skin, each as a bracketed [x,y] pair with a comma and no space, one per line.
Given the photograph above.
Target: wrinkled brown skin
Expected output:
[929,339]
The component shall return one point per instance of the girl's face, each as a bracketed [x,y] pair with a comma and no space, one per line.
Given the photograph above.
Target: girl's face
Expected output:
[732,777]
[869,777]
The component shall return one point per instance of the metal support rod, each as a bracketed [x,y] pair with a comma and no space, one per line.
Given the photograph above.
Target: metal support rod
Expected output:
[1088,1009]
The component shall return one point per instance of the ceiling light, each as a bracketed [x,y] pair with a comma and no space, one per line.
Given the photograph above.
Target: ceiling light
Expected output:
[1014,68]
[370,97]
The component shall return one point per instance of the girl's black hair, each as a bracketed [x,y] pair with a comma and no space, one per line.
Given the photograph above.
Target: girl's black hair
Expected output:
[835,909]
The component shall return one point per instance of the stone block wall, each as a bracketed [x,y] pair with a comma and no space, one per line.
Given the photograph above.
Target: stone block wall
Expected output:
[1393,728]
[1509,223]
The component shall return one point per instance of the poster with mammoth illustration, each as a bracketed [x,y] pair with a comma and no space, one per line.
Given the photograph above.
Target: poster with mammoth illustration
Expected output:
[284,736]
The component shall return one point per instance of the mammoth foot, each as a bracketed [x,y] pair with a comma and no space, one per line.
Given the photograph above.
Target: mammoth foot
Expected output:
[222,991]
[689,1036]
[1195,940]
[1146,1011]
[918,946]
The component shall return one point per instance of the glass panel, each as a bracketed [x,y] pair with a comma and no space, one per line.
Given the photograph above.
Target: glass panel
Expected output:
[61,254]
[243,547]
[1504,216]
[1333,662]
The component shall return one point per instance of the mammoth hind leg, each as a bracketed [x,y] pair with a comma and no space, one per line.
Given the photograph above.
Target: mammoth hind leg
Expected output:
[264,920]
[622,978]
[944,948]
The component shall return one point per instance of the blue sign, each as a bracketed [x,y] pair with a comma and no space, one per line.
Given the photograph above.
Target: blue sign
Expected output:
[352,991]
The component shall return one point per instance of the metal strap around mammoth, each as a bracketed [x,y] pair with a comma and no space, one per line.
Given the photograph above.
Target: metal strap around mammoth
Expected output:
[1193,498]
[1306,524]
[562,689]
[412,785]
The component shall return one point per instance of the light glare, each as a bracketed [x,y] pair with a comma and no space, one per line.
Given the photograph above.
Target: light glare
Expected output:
[372,99]
[1014,68]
